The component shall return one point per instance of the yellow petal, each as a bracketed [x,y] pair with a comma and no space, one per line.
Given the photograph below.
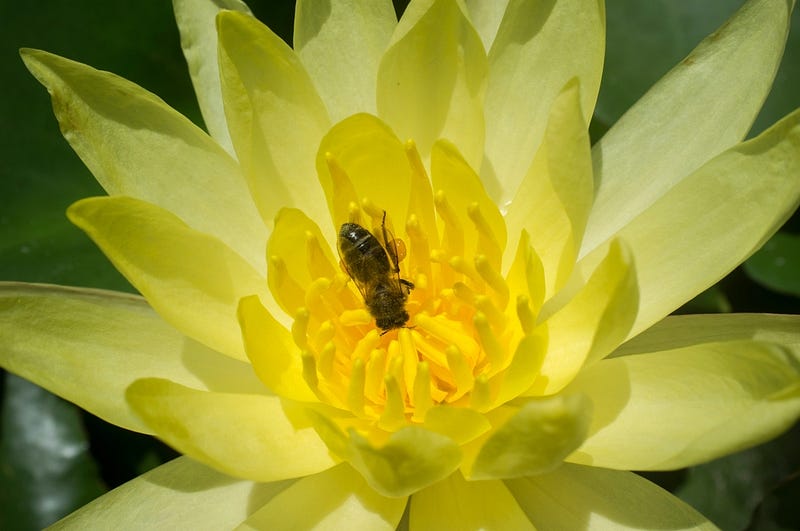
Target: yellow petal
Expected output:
[711,221]
[275,116]
[555,196]
[463,190]
[136,145]
[410,459]
[341,46]
[592,324]
[458,504]
[275,358]
[677,408]
[535,440]
[678,331]
[374,162]
[458,423]
[338,498]
[578,497]
[87,346]
[538,48]
[196,22]
[486,17]
[191,279]
[425,99]
[701,107]
[181,494]
[249,436]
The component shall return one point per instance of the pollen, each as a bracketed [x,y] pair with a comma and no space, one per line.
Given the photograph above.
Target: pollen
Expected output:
[453,322]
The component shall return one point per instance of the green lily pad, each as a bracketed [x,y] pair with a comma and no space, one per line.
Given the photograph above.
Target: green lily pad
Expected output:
[777,264]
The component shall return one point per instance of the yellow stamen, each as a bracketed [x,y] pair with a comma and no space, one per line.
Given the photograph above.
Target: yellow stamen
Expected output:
[356,317]
[453,241]
[493,350]
[406,351]
[449,332]
[422,391]
[365,345]
[310,370]
[393,415]
[355,388]
[300,328]
[480,398]
[493,278]
[376,366]
[326,358]
[286,290]
[313,297]
[459,264]
[487,240]
[461,371]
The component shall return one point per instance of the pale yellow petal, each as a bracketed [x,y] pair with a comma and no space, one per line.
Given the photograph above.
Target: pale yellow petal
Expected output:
[555,196]
[678,331]
[408,460]
[275,116]
[579,497]
[87,346]
[375,168]
[592,324]
[191,279]
[486,17]
[712,220]
[276,359]
[536,439]
[677,408]
[181,494]
[136,145]
[458,504]
[539,47]
[341,44]
[338,498]
[196,22]
[257,437]
[701,107]
[431,79]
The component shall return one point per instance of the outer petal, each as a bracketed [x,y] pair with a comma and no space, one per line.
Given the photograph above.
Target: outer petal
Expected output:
[458,504]
[578,497]
[341,44]
[411,459]
[678,331]
[136,145]
[592,324]
[538,48]
[275,116]
[486,17]
[431,79]
[199,42]
[181,494]
[700,108]
[555,196]
[676,408]
[374,163]
[275,358]
[689,238]
[248,436]
[88,345]
[535,440]
[338,498]
[191,279]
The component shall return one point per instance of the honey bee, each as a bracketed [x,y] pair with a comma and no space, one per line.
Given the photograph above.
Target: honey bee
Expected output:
[374,267]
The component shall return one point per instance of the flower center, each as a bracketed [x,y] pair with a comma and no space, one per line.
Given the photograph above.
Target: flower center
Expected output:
[460,333]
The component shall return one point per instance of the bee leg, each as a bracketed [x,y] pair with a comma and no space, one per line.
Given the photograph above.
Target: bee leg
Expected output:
[407,284]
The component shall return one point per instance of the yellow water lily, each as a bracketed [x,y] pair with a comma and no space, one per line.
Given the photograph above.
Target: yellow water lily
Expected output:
[537,365]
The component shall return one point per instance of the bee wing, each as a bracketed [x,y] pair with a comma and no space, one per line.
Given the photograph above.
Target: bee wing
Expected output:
[362,288]
[391,245]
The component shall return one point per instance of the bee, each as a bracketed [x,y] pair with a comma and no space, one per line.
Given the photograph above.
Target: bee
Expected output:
[374,267]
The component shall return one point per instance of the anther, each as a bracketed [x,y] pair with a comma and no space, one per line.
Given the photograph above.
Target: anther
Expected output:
[375,369]
[494,353]
[453,232]
[326,358]
[461,372]
[480,398]
[365,345]
[492,277]
[444,330]
[487,240]
[310,370]
[313,297]
[422,391]
[459,264]
[356,317]
[393,415]
[300,327]
[355,388]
